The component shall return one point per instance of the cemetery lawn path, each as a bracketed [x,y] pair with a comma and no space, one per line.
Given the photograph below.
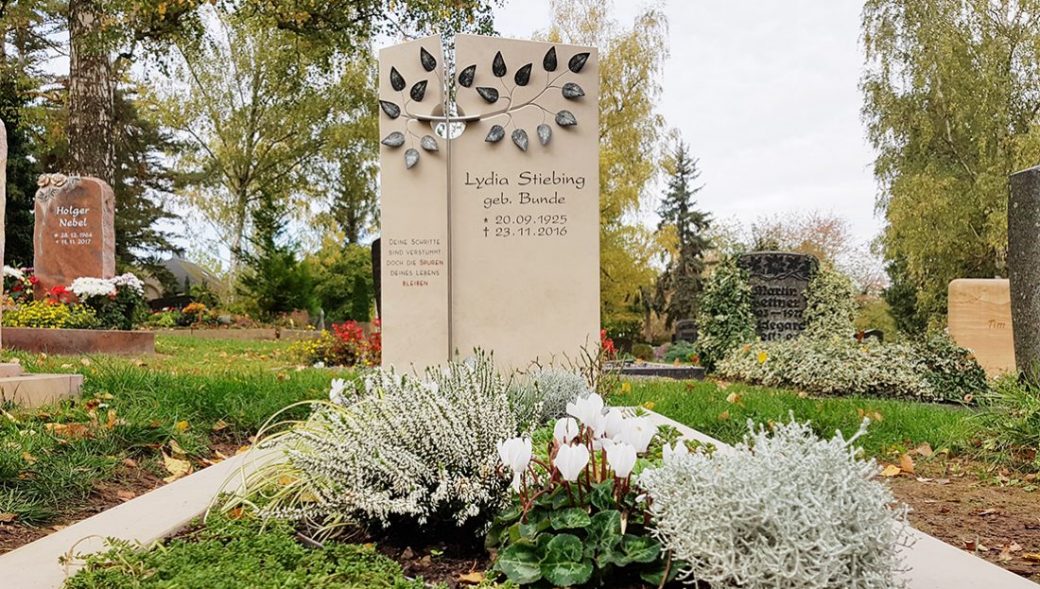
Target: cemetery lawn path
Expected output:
[195,400]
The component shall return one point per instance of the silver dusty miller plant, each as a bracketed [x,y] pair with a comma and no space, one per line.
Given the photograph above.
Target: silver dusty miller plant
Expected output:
[782,510]
[543,396]
[400,449]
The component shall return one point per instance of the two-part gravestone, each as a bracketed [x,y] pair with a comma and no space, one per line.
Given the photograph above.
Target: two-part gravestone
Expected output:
[490,200]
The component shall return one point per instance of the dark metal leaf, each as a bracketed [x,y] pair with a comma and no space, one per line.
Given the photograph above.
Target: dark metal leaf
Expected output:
[544,134]
[467,75]
[428,61]
[495,134]
[418,91]
[395,139]
[488,94]
[572,91]
[396,79]
[523,75]
[577,62]
[520,139]
[549,62]
[392,110]
[411,157]
[498,65]
[428,143]
[565,118]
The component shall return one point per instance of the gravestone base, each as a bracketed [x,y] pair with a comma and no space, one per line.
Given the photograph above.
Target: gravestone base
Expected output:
[665,371]
[34,390]
[79,341]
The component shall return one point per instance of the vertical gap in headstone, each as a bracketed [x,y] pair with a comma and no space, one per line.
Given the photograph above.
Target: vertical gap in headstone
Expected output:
[447,90]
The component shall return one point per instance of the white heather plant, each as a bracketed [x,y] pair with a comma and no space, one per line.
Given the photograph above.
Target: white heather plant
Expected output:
[785,509]
[398,450]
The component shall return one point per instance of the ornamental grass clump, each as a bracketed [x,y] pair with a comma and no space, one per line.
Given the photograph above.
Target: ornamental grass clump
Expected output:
[784,509]
[398,450]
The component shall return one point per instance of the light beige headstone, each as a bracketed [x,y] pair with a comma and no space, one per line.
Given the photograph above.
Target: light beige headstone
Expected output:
[980,320]
[518,197]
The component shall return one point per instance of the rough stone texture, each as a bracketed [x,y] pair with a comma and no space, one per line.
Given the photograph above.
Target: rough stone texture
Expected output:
[1024,265]
[778,283]
[75,230]
[80,341]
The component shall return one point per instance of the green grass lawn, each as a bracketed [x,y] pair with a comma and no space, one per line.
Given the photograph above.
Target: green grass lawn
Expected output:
[723,411]
[195,392]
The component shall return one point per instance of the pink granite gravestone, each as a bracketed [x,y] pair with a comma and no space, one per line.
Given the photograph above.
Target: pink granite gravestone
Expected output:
[75,231]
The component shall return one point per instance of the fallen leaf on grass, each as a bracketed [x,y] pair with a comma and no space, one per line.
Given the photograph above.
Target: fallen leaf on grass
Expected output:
[129,463]
[69,430]
[1032,556]
[891,470]
[724,416]
[181,426]
[29,458]
[85,361]
[125,494]
[906,464]
[924,449]
[177,449]
[474,578]
[219,425]
[178,468]
[733,398]
[6,518]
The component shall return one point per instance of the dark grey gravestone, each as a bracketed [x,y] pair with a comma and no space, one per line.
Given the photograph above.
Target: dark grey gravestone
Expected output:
[778,283]
[685,331]
[1024,267]
[377,275]
[665,371]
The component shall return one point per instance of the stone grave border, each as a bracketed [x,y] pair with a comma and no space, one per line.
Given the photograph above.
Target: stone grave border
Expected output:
[79,341]
[933,564]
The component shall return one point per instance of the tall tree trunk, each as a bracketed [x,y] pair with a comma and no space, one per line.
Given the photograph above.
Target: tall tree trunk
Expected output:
[91,128]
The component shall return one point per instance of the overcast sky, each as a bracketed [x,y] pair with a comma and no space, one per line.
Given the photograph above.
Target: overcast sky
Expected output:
[766,94]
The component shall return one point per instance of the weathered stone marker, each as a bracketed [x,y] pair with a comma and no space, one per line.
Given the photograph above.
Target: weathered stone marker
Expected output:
[490,216]
[979,320]
[1024,266]
[75,230]
[778,283]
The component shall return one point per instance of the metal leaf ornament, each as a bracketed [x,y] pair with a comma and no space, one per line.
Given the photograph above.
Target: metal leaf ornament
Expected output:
[577,62]
[523,75]
[427,59]
[495,134]
[544,134]
[392,110]
[520,139]
[572,91]
[549,61]
[395,139]
[429,143]
[488,94]
[466,76]
[411,157]
[565,118]
[396,80]
[418,91]
[498,65]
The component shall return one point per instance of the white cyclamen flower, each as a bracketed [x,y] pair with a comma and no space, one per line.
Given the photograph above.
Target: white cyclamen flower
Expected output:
[637,432]
[588,410]
[516,454]
[566,429]
[15,273]
[613,423]
[336,391]
[571,460]
[668,452]
[621,458]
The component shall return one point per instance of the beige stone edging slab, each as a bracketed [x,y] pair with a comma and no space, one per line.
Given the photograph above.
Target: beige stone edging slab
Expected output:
[160,513]
[34,390]
[145,519]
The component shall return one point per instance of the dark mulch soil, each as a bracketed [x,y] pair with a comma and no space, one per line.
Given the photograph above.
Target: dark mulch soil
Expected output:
[994,515]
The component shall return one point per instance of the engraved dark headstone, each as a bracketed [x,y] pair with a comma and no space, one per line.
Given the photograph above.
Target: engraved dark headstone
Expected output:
[778,283]
[685,331]
[1024,268]
[377,282]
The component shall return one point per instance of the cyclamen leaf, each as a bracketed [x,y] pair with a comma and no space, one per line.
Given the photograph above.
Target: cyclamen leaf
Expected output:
[523,75]
[549,62]
[495,134]
[578,62]
[418,91]
[544,134]
[396,80]
[565,118]
[395,139]
[429,143]
[498,65]
[392,110]
[563,563]
[466,76]
[488,94]
[427,59]
[572,91]
[572,517]
[520,563]
[411,157]
[520,139]
[642,549]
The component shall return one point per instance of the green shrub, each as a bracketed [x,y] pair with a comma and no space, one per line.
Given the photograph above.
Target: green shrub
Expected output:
[724,318]
[681,351]
[50,314]
[830,305]
[949,367]
[643,351]
[1010,420]
[237,553]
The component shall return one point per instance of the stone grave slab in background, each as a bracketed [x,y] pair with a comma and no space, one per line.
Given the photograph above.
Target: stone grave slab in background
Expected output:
[778,283]
[685,331]
[980,320]
[490,218]
[75,230]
